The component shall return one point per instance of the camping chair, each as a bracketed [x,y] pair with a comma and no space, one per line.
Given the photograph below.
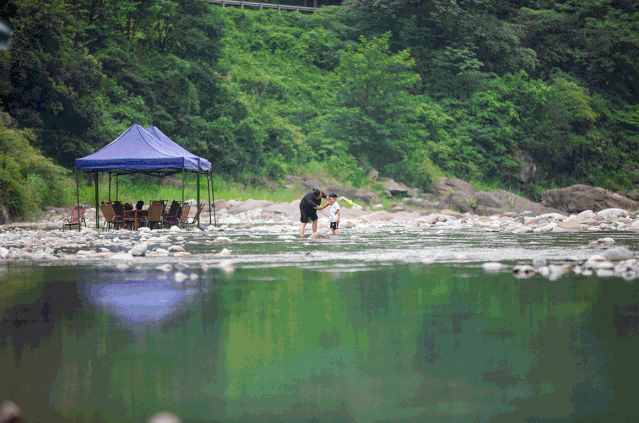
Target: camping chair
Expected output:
[184,214]
[172,216]
[163,203]
[76,219]
[118,214]
[109,215]
[154,217]
[191,221]
[118,208]
[135,218]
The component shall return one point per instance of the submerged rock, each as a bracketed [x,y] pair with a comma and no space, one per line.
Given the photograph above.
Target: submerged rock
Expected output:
[618,253]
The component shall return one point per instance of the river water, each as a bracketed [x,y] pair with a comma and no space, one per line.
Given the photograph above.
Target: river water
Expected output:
[370,327]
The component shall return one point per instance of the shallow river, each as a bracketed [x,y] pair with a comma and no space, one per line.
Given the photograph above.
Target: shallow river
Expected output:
[363,329]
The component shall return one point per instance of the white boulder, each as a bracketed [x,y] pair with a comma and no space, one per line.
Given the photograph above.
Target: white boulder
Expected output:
[139,249]
[492,267]
[612,213]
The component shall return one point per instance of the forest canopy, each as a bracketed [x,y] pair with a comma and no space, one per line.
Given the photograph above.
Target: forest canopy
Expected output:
[479,89]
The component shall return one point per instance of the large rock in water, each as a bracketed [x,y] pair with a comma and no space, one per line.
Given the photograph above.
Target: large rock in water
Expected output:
[504,201]
[460,195]
[577,198]
[455,194]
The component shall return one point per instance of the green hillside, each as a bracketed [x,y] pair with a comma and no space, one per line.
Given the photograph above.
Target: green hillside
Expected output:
[479,89]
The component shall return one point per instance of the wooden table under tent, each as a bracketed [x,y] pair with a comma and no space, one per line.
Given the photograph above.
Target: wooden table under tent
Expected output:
[149,151]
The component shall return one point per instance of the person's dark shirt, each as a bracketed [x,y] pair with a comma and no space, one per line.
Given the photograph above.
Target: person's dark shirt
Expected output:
[311,200]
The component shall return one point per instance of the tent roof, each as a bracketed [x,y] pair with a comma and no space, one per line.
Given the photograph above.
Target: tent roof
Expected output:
[139,150]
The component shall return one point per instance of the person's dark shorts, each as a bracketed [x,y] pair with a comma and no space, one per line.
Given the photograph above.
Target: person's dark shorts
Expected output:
[308,215]
[334,225]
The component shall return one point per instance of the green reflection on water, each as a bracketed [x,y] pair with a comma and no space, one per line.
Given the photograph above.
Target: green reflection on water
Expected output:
[400,343]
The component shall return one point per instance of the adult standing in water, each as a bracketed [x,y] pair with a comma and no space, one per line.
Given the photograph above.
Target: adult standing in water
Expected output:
[309,206]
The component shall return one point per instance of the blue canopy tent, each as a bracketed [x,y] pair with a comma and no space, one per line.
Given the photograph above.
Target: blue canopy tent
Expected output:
[150,151]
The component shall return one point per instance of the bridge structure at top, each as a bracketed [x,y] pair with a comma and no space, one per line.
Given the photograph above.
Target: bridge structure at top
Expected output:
[310,6]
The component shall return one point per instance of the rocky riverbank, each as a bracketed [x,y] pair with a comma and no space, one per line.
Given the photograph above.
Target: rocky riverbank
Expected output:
[405,235]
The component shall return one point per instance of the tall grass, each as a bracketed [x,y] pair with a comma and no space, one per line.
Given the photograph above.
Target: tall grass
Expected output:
[132,188]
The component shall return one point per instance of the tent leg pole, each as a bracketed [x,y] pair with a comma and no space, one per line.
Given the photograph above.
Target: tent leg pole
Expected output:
[208,192]
[77,198]
[197,206]
[97,200]
[183,183]
[109,186]
[117,186]
[213,194]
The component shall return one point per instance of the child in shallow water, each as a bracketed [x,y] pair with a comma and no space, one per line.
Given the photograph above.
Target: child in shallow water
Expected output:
[333,213]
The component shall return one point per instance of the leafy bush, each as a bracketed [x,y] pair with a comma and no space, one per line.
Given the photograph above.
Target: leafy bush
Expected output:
[28,181]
